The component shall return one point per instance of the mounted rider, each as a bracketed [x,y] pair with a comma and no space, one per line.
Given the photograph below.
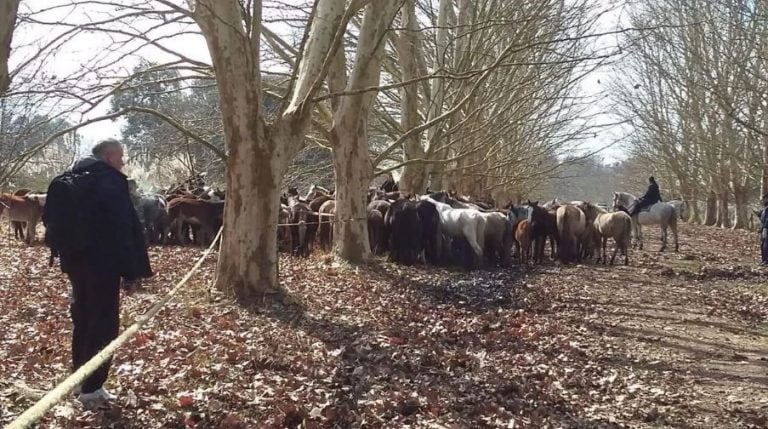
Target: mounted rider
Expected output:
[651,197]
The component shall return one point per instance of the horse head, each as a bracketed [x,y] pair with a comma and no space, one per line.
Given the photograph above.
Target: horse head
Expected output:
[440,196]
[617,201]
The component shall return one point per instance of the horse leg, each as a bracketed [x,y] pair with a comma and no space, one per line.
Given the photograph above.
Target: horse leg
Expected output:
[538,250]
[615,249]
[477,250]
[31,225]
[521,253]
[601,251]
[625,251]
[18,230]
[663,238]
[674,232]
[294,239]
[552,250]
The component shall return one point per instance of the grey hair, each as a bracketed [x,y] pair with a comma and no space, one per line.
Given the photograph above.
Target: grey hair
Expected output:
[104,146]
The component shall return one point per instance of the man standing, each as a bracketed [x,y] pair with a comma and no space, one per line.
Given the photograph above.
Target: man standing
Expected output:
[764,232]
[115,250]
[651,197]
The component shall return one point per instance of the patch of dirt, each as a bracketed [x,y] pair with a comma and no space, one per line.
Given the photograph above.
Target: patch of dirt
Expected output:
[672,340]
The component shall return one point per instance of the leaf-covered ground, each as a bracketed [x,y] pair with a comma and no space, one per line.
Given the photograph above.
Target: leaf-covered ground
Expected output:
[673,340]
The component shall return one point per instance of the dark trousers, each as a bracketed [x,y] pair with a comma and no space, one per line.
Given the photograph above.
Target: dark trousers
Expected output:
[639,205]
[764,250]
[95,310]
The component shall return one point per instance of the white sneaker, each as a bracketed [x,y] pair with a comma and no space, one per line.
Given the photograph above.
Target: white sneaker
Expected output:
[97,397]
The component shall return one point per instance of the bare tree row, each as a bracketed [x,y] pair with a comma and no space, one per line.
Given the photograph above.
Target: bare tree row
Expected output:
[694,89]
[478,96]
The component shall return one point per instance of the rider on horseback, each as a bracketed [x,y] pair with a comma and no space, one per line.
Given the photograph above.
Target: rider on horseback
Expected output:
[651,197]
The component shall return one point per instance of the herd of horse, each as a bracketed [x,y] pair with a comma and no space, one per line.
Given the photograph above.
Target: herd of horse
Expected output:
[440,228]
[444,228]
[183,214]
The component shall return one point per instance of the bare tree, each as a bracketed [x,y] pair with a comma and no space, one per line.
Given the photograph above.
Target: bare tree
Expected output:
[259,152]
[689,92]
[8,11]
[349,133]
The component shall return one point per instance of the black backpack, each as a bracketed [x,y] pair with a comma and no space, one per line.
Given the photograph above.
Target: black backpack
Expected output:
[68,213]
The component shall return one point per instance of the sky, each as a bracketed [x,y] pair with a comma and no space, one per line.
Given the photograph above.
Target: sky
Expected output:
[75,55]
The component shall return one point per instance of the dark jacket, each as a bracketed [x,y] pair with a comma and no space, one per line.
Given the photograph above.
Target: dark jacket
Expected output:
[119,245]
[764,218]
[652,195]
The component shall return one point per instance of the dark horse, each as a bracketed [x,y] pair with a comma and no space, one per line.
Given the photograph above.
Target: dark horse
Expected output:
[544,225]
[299,212]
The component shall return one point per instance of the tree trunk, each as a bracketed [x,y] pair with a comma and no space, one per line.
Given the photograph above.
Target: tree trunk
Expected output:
[8,10]
[258,154]
[693,205]
[408,46]
[354,172]
[433,173]
[710,215]
[436,182]
[740,200]
[349,134]
[764,175]
[723,215]
[247,266]
[685,196]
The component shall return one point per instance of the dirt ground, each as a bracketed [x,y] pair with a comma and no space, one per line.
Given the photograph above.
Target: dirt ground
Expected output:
[672,340]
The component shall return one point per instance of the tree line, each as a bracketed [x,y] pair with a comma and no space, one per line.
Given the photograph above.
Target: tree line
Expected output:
[481,97]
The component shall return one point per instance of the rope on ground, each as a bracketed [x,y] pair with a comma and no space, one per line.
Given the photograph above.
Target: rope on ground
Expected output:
[38,410]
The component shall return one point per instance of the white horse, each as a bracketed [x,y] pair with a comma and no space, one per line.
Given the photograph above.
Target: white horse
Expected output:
[462,223]
[681,208]
[661,213]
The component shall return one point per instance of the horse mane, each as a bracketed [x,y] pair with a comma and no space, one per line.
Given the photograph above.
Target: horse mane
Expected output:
[592,206]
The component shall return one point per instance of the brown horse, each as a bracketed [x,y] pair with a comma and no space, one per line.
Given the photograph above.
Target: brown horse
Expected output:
[524,235]
[544,224]
[27,209]
[283,232]
[18,227]
[313,219]
[299,213]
